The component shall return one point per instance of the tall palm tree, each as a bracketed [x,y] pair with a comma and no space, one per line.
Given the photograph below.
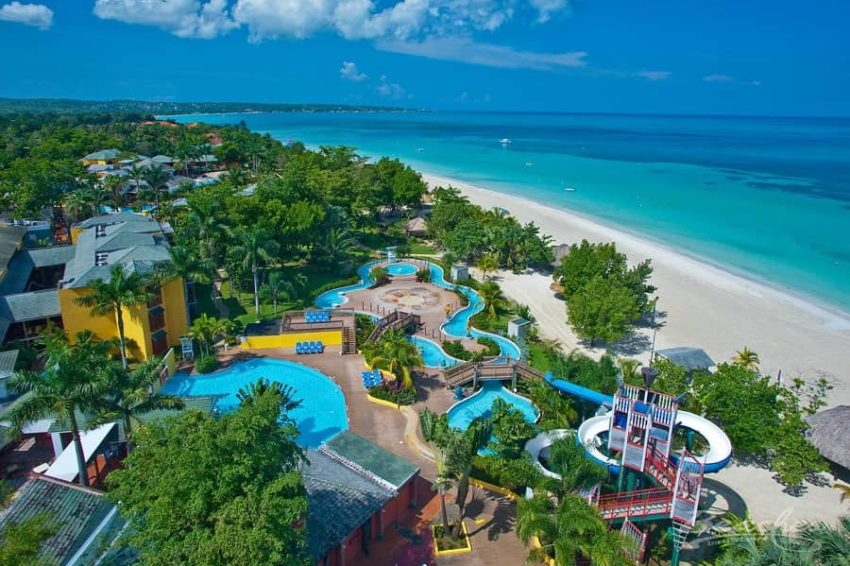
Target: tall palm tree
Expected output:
[436,431]
[257,248]
[494,300]
[336,247]
[831,544]
[204,224]
[236,176]
[73,379]
[276,288]
[156,178]
[746,358]
[577,472]
[121,291]
[129,394]
[395,354]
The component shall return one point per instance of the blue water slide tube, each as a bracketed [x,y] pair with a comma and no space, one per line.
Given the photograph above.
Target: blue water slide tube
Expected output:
[579,391]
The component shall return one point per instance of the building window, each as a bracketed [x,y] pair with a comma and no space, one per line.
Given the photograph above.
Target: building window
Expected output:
[160,343]
[156,319]
[156,297]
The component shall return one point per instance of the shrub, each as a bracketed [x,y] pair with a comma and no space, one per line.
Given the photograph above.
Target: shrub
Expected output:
[514,474]
[491,345]
[380,276]
[365,325]
[205,364]
[456,350]
[399,397]
[424,275]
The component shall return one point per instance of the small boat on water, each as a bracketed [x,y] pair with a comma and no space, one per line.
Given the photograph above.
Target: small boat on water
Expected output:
[569,189]
[505,141]
[420,149]
[529,164]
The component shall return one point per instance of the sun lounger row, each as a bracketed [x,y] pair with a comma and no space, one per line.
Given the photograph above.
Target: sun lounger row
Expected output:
[309,347]
[371,378]
[317,316]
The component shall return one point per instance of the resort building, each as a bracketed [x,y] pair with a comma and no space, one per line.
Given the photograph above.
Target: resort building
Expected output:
[356,491]
[84,520]
[137,243]
[103,157]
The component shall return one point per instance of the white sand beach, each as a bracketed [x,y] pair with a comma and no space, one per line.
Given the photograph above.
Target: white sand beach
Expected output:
[704,306]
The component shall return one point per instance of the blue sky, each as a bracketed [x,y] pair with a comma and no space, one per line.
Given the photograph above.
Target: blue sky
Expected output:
[780,57]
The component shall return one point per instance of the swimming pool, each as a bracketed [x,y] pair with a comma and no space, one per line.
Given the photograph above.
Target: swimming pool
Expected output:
[432,354]
[321,416]
[478,405]
[401,269]
[336,297]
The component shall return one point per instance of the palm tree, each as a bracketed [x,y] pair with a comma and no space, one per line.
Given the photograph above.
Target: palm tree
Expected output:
[831,544]
[246,395]
[73,379]
[205,225]
[395,354]
[257,247]
[435,430]
[746,358]
[494,300]
[156,178]
[336,247]
[186,264]
[205,329]
[487,264]
[568,529]
[129,394]
[473,439]
[236,176]
[136,173]
[277,288]
[113,296]
[629,371]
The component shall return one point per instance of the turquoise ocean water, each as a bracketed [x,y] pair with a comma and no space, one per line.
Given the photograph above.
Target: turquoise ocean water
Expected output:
[767,197]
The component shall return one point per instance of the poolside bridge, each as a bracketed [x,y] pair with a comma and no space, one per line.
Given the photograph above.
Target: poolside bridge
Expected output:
[394,321]
[494,369]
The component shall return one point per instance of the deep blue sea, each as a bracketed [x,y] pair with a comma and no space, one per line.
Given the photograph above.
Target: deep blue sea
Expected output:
[768,197]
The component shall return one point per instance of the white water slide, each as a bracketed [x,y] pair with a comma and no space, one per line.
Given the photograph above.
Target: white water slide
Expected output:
[718,455]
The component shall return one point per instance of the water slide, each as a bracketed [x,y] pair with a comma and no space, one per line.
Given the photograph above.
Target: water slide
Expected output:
[719,451]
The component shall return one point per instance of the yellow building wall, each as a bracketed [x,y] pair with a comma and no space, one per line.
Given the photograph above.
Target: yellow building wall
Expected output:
[174,302]
[76,318]
[327,337]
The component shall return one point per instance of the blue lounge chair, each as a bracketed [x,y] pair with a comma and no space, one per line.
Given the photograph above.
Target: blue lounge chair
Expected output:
[298,348]
[320,347]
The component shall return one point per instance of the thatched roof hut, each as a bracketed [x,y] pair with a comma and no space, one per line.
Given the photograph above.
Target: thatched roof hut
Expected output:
[829,433]
[416,227]
[560,252]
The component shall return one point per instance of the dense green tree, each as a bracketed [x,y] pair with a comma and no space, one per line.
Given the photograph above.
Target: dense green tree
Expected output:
[603,309]
[20,543]
[285,395]
[394,353]
[257,249]
[205,490]
[510,430]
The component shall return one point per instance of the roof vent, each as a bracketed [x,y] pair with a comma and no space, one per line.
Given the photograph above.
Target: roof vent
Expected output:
[100,258]
[100,231]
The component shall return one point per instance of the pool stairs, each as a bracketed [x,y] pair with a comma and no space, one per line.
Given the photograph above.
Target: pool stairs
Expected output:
[394,321]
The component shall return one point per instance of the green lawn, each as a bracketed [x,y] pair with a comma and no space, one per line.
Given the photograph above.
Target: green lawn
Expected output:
[419,247]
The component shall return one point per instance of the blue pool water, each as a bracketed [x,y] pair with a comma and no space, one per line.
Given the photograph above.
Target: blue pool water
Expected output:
[336,297]
[321,416]
[432,354]
[480,404]
[401,269]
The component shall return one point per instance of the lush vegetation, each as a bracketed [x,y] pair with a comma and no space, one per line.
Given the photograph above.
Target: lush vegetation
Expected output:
[605,297]
[227,490]
[468,232]
[20,543]
[396,355]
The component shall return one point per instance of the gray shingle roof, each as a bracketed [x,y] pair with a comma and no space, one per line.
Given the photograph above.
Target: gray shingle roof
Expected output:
[102,154]
[74,511]
[372,458]
[50,256]
[18,272]
[828,433]
[8,359]
[689,358]
[127,239]
[339,499]
[30,306]
[10,240]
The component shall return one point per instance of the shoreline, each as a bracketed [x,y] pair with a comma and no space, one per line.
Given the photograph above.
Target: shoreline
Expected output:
[792,332]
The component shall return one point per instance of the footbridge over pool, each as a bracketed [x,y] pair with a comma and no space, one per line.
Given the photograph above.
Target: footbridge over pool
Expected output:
[500,369]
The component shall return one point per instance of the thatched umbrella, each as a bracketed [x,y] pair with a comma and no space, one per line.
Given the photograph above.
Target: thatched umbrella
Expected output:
[829,433]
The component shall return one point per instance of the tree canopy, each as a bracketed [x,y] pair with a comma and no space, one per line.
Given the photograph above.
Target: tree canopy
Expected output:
[205,490]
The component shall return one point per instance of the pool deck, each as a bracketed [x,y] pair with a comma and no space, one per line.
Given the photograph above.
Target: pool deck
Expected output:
[433,316]
[490,517]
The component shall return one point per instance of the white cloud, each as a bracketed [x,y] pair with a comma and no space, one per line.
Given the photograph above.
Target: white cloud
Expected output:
[546,8]
[36,15]
[654,75]
[349,72]
[183,18]
[391,89]
[486,54]
[716,78]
